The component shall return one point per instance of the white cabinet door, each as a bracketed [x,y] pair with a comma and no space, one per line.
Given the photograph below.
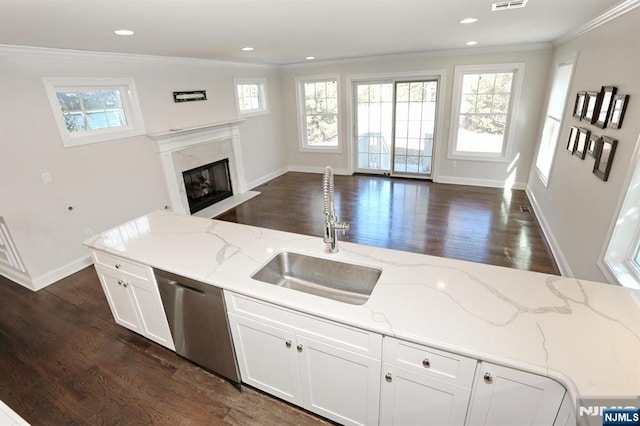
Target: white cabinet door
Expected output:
[120,302]
[267,357]
[153,319]
[503,396]
[409,398]
[338,384]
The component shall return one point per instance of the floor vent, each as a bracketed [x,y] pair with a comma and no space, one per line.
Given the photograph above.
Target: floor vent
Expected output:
[507,5]
[525,209]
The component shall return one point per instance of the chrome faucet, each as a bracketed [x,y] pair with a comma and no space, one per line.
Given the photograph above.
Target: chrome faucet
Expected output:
[331,224]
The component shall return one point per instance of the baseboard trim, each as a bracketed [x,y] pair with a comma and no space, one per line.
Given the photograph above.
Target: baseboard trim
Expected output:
[556,251]
[266,178]
[309,169]
[62,272]
[490,183]
[16,276]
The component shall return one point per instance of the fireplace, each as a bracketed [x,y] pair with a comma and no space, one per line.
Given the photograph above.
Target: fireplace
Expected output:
[208,184]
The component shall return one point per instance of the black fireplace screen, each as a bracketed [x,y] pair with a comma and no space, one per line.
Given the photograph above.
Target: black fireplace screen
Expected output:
[208,184]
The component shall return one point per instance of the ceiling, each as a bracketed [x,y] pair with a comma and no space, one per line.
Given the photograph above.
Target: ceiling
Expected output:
[285,31]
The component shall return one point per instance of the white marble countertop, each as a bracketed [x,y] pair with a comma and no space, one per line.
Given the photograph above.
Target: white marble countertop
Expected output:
[585,335]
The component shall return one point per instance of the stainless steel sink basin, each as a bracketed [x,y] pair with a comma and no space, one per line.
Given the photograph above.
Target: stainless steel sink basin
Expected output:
[344,282]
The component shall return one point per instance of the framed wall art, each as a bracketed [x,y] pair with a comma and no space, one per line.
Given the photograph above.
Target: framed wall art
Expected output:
[592,147]
[581,143]
[604,157]
[573,137]
[607,94]
[591,107]
[578,107]
[618,109]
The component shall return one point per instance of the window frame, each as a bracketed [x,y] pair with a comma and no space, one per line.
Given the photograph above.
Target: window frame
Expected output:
[460,71]
[304,145]
[617,261]
[126,86]
[553,144]
[263,100]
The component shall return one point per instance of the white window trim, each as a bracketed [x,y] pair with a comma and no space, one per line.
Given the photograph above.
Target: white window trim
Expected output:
[616,261]
[507,148]
[263,109]
[573,59]
[135,124]
[302,130]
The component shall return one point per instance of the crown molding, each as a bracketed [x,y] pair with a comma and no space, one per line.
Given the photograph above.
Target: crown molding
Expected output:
[39,52]
[611,14]
[428,54]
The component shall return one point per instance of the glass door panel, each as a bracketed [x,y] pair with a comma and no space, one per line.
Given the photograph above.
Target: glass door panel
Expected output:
[415,115]
[374,120]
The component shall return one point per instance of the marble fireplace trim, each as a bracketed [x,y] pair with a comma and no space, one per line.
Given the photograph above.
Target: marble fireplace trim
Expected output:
[185,149]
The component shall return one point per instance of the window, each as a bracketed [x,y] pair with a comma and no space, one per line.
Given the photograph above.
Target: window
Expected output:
[553,120]
[251,96]
[485,100]
[621,260]
[94,110]
[318,109]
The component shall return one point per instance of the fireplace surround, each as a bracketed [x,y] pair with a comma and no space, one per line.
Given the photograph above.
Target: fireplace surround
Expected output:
[187,149]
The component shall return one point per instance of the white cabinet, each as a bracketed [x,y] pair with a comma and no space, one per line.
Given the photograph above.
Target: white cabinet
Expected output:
[133,296]
[511,397]
[328,368]
[567,414]
[423,385]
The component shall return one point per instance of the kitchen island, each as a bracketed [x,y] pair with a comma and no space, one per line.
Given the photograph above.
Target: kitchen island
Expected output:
[584,335]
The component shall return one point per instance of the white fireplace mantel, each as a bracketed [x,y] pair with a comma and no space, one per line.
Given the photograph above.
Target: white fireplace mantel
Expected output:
[199,146]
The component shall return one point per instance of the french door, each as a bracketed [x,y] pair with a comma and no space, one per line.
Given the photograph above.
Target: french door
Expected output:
[395,126]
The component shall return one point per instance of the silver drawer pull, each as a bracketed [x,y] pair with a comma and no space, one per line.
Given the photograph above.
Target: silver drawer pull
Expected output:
[488,378]
[287,343]
[426,363]
[388,377]
[118,266]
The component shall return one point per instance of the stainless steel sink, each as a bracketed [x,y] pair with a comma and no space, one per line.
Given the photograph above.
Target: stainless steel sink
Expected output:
[344,282]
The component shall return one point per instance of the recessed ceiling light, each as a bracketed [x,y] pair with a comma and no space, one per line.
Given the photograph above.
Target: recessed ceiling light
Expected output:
[124,32]
[247,49]
[468,21]
[472,43]
[308,58]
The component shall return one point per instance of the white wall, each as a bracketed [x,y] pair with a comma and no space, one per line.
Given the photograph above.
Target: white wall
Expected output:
[537,60]
[577,208]
[110,182]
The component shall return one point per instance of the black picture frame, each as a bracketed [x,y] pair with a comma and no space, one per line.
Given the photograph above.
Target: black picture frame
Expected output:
[618,109]
[573,137]
[578,106]
[607,94]
[604,157]
[581,143]
[591,107]
[594,143]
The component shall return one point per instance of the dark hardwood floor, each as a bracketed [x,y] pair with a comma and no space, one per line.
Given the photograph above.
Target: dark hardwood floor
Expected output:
[471,223]
[64,361]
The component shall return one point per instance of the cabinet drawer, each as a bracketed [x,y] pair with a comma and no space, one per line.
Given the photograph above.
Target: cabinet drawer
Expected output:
[346,337]
[122,265]
[429,362]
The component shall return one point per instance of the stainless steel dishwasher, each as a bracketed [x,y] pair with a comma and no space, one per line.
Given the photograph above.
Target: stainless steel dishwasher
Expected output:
[198,322]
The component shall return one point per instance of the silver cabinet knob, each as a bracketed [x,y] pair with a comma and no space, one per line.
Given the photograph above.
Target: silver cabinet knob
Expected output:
[124,283]
[299,347]
[118,266]
[426,363]
[287,343]
[488,378]
[120,282]
[388,377]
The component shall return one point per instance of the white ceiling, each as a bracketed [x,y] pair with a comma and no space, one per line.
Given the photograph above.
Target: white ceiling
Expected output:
[285,31]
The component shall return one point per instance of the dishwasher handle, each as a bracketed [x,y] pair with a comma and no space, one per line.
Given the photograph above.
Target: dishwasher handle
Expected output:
[177,284]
